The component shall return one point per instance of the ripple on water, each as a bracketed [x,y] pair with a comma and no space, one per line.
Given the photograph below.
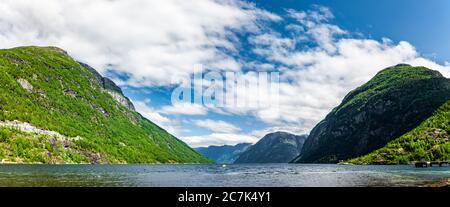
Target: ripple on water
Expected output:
[217,175]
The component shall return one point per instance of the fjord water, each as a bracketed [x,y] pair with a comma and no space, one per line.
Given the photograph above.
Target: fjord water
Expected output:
[253,175]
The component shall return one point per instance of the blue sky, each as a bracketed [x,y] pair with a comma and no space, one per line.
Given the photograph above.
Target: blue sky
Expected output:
[398,20]
[424,24]
[322,50]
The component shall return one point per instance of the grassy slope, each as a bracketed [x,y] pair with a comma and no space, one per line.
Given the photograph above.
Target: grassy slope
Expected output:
[120,136]
[429,141]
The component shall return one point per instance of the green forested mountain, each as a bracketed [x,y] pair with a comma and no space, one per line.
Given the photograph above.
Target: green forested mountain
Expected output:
[397,100]
[278,147]
[56,110]
[429,141]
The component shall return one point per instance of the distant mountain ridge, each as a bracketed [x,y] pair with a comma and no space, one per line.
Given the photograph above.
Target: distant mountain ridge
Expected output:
[225,154]
[278,147]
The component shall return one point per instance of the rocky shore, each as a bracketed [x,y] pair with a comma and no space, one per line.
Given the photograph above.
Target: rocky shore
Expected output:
[442,183]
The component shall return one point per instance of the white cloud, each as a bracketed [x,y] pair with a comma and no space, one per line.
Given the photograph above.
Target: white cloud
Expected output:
[315,79]
[155,41]
[217,126]
[290,129]
[185,108]
[218,139]
[152,41]
[314,25]
[172,126]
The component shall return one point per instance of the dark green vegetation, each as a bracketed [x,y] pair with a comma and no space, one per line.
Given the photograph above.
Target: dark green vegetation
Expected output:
[278,147]
[223,154]
[397,100]
[51,91]
[429,141]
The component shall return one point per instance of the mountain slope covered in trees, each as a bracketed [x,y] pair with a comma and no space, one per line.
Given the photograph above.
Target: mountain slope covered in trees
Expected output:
[54,109]
[397,100]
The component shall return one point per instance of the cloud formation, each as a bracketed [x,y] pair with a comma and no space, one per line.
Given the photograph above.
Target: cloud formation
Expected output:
[218,139]
[173,126]
[184,108]
[319,64]
[217,126]
[151,41]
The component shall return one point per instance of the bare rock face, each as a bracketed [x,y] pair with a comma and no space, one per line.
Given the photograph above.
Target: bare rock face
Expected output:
[121,99]
[27,127]
[110,87]
[25,85]
[101,110]
[71,93]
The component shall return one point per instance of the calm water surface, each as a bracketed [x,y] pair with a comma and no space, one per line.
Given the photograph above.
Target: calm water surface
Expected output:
[253,175]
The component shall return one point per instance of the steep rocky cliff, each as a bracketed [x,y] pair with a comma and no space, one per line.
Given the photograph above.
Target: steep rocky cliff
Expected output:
[429,141]
[392,103]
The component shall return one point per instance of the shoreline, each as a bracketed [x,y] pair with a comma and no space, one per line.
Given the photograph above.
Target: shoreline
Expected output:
[440,184]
